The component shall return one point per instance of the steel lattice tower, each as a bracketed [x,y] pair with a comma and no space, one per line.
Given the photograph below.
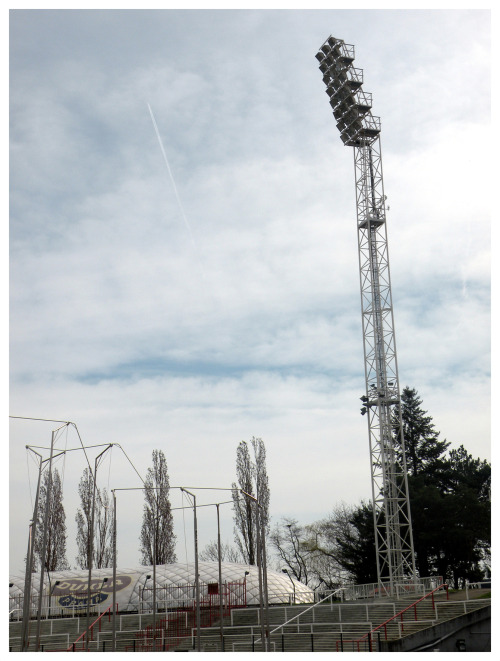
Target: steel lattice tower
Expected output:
[382,404]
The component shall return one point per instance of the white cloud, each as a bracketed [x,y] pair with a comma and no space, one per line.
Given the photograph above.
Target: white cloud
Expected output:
[124,325]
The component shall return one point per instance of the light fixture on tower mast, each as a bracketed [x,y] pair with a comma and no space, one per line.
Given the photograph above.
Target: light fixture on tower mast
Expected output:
[382,402]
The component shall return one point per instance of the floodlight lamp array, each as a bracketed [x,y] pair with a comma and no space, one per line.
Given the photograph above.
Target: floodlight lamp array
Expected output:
[351,105]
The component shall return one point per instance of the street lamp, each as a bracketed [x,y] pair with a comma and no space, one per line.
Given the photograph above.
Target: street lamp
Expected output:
[143,588]
[285,571]
[51,590]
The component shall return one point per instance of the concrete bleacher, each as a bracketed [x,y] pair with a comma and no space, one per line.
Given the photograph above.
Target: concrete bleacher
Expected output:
[325,627]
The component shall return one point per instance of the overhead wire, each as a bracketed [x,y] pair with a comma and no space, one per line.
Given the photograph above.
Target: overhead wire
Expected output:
[65,422]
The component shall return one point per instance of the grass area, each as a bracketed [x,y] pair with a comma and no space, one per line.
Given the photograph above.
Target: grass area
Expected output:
[486,595]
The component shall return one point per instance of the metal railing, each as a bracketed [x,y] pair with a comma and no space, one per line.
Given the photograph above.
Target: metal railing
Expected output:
[90,631]
[366,640]
[383,590]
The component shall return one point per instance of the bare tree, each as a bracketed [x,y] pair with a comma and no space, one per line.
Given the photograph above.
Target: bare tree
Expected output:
[252,479]
[289,541]
[313,553]
[103,528]
[55,554]
[102,555]
[157,532]
[326,541]
[228,553]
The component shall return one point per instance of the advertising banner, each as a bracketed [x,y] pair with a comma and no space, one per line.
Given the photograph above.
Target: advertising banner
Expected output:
[72,593]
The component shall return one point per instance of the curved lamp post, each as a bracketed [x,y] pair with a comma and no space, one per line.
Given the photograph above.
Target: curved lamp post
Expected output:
[285,571]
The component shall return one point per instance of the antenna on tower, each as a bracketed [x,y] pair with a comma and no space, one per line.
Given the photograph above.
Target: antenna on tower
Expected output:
[360,129]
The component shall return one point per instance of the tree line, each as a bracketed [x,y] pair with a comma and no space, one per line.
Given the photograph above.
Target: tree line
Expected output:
[449,499]
[157,537]
[450,508]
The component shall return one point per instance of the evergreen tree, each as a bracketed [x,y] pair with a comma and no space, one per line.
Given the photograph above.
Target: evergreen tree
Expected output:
[55,554]
[426,466]
[252,479]
[423,449]
[465,518]
[449,498]
[356,545]
[157,532]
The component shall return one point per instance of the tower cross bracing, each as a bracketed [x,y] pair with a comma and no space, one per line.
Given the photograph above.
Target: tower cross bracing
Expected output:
[382,403]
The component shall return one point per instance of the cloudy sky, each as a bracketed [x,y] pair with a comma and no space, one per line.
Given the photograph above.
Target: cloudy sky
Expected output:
[192,302]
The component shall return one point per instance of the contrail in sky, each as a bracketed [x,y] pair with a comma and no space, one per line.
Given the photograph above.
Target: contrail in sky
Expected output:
[171,176]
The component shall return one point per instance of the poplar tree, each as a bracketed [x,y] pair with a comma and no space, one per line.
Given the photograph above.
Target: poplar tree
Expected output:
[157,532]
[55,552]
[251,475]
[102,552]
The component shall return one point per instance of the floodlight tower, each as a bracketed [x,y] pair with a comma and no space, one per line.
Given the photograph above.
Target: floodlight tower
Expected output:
[361,130]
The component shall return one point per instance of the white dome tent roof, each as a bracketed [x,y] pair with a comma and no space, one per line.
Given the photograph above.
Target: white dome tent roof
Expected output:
[174,585]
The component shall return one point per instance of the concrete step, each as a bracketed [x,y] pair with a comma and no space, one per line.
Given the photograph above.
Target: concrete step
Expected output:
[331,624]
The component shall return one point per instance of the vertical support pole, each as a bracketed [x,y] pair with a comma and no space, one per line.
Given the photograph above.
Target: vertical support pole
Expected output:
[29,565]
[90,547]
[221,596]
[259,567]
[391,507]
[264,573]
[91,540]
[197,579]
[113,648]
[196,573]
[155,523]
[27,595]
[44,543]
